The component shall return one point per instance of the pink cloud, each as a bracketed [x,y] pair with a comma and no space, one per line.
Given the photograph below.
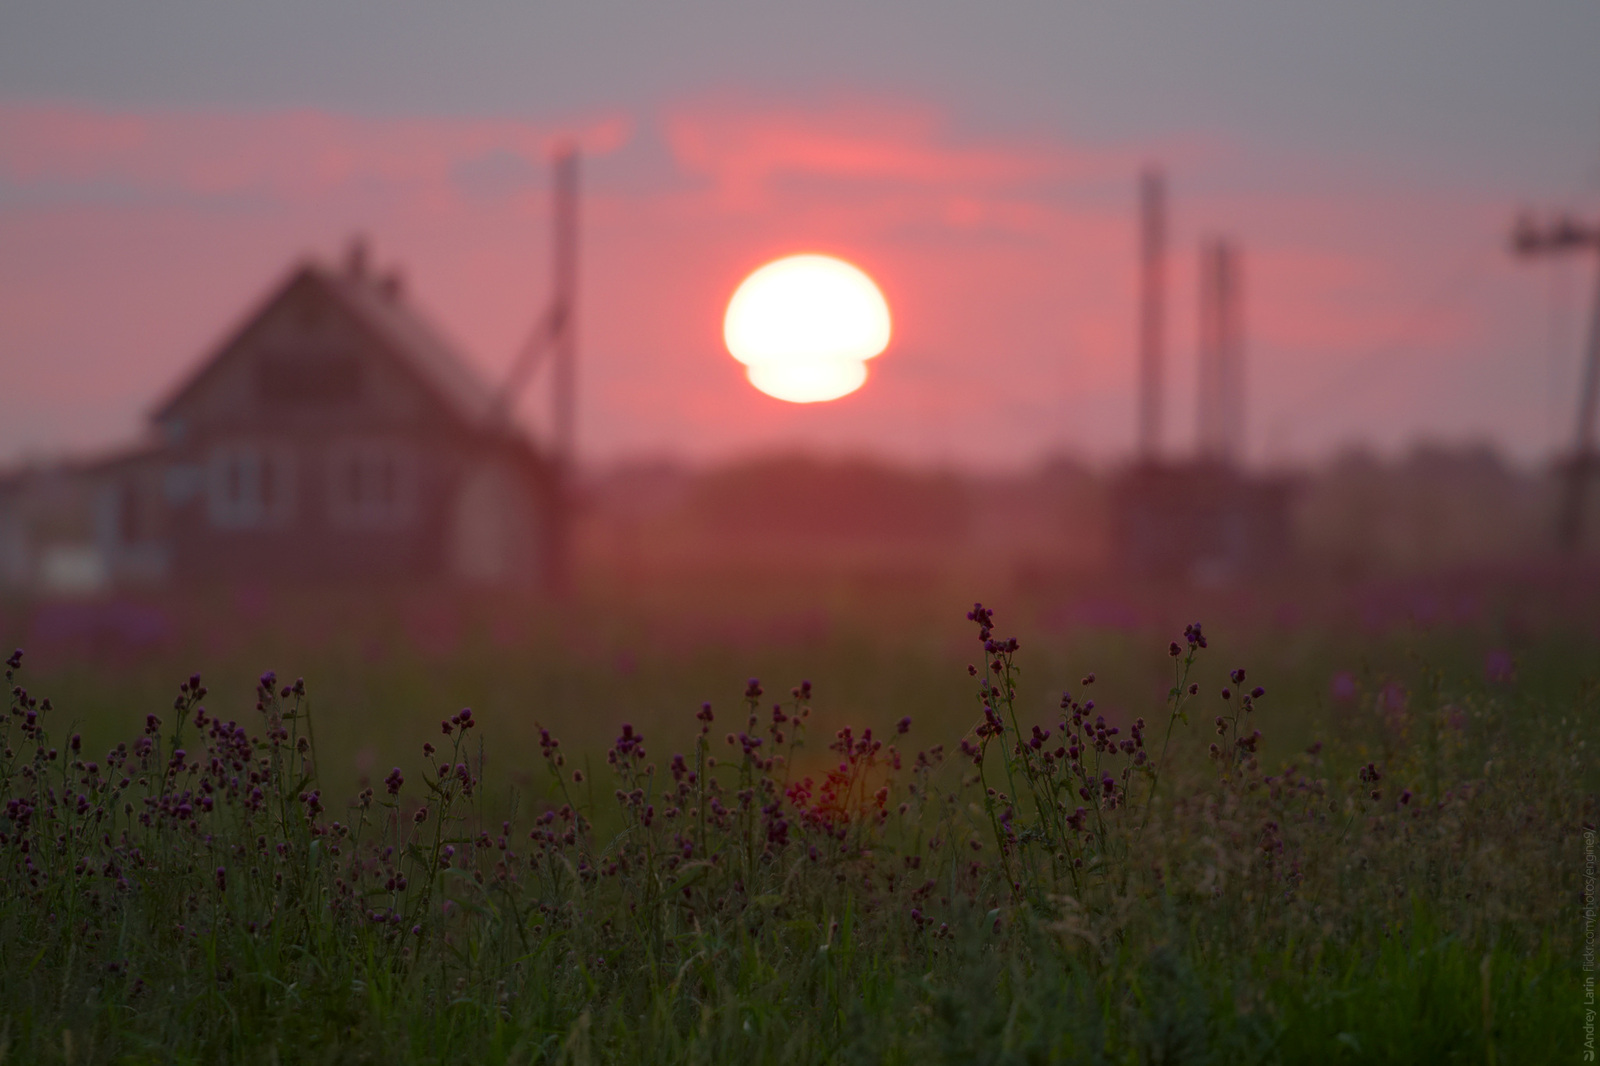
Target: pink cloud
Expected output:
[745,149]
[1009,271]
[299,155]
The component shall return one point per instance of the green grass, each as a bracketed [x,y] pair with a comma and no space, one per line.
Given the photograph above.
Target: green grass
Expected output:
[1207,908]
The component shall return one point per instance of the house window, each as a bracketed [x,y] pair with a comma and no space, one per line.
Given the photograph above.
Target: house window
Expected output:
[371,485]
[250,485]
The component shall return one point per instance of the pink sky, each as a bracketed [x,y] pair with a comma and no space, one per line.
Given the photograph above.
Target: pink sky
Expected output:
[132,239]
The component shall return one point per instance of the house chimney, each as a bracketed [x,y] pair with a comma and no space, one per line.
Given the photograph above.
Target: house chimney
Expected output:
[355,258]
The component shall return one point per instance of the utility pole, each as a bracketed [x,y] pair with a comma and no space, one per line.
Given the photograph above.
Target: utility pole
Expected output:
[1558,236]
[1152,304]
[1221,385]
[564,378]
[563,317]
[554,336]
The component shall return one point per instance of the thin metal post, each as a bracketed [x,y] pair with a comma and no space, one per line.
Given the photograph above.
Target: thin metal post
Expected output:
[564,372]
[1220,417]
[1208,391]
[1584,460]
[1230,310]
[1152,306]
[1567,234]
[563,325]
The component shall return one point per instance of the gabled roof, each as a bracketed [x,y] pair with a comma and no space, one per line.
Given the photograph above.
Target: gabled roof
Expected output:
[404,334]
[411,338]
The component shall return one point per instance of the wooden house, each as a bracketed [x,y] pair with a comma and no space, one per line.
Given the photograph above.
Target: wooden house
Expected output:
[333,436]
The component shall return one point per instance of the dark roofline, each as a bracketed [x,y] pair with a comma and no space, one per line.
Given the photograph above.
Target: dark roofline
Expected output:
[421,352]
[86,464]
[235,333]
[429,358]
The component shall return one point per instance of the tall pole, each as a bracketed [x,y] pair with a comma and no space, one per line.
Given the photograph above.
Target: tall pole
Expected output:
[1220,418]
[564,374]
[1231,384]
[1152,301]
[1584,460]
[563,324]
[1564,235]
[1208,379]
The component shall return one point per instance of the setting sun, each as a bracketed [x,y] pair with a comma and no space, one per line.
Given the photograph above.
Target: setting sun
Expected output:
[804,327]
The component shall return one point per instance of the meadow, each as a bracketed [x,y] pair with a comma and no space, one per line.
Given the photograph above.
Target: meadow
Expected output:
[814,824]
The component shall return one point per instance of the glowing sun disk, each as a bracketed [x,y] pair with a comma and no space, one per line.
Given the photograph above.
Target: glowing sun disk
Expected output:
[804,327]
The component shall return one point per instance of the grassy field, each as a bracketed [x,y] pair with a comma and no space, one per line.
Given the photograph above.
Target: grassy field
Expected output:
[1379,858]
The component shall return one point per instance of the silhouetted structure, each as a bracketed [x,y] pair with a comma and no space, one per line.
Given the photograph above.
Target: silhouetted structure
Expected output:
[1152,307]
[1220,419]
[1204,520]
[1566,235]
[334,435]
[554,337]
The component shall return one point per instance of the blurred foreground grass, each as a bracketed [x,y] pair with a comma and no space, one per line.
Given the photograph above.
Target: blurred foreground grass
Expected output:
[1242,912]
[383,667]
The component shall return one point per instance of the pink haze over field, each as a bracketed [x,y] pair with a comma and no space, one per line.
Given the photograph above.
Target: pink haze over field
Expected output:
[132,240]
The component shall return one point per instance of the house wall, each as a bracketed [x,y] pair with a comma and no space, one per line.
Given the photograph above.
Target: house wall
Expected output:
[331,439]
